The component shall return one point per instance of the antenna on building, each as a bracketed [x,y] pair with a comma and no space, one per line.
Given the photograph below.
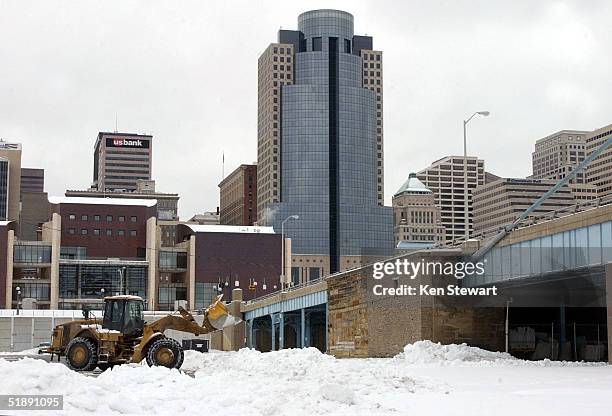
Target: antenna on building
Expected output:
[223,166]
[116,123]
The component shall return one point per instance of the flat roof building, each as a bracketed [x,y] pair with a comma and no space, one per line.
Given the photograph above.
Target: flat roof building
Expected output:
[120,160]
[10,180]
[556,155]
[445,178]
[599,171]
[32,180]
[500,202]
[238,196]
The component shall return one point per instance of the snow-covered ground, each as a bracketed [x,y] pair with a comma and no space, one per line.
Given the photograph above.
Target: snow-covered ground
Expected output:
[427,379]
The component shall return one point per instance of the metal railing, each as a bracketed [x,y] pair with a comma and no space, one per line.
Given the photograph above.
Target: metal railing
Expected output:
[289,289]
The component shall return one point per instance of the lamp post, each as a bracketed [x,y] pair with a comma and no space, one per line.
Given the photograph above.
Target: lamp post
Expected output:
[465,172]
[290,217]
[18,289]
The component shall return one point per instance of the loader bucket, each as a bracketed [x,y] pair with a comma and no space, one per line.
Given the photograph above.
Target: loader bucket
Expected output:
[218,315]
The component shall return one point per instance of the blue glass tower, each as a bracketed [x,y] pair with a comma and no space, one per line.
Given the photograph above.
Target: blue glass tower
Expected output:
[328,148]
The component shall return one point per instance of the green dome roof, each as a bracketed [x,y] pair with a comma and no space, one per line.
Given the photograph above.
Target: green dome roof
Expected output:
[413,186]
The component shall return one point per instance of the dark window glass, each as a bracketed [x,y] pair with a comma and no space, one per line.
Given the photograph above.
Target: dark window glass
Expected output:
[96,218]
[347,46]
[84,218]
[317,44]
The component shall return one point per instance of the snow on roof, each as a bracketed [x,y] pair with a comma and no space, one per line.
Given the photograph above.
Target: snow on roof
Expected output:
[197,228]
[102,201]
[2,223]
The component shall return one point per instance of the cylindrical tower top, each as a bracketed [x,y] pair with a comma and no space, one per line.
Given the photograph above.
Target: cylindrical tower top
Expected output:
[326,23]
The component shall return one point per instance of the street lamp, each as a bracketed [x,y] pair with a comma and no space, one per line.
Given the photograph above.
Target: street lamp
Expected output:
[290,217]
[18,289]
[465,172]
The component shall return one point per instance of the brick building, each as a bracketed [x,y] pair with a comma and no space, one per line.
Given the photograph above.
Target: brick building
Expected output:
[238,197]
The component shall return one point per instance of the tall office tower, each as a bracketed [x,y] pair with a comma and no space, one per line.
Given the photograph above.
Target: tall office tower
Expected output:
[10,180]
[445,177]
[416,218]
[120,160]
[32,180]
[238,196]
[599,171]
[318,154]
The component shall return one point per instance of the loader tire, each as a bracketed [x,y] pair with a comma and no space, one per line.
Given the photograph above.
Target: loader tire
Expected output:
[165,352]
[81,354]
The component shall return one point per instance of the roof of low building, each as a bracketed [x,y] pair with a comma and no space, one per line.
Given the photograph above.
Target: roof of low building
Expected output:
[197,228]
[102,201]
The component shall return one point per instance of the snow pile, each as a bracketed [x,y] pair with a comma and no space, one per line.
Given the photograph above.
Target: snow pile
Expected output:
[427,352]
[295,382]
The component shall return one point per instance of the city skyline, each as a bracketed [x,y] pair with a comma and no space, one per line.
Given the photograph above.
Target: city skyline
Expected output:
[62,101]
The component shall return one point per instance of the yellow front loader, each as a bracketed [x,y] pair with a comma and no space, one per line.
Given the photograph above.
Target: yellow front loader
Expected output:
[122,336]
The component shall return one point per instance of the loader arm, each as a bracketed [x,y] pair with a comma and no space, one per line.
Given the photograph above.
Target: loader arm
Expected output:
[216,317]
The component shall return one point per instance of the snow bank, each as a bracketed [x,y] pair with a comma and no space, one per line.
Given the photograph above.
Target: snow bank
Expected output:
[430,353]
[296,382]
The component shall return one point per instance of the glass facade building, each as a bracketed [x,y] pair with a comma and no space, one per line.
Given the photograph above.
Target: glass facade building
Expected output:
[328,145]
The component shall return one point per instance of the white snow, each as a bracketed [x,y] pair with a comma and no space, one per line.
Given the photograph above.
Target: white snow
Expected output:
[427,379]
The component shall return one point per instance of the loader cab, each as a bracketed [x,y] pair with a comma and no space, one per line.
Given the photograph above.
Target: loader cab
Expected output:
[124,314]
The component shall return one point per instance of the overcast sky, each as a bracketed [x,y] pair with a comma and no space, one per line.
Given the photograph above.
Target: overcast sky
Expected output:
[186,72]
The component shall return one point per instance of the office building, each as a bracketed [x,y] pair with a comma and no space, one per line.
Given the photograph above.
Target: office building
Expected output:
[10,180]
[238,196]
[556,155]
[120,160]
[599,171]
[32,180]
[500,202]
[319,133]
[166,204]
[95,247]
[445,178]
[416,219]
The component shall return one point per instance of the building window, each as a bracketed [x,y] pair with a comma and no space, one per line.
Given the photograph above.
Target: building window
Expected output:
[109,231]
[84,218]
[109,218]
[121,218]
[121,232]
[83,231]
[72,217]
[133,218]
[317,44]
[347,46]
[133,233]
[96,218]
[71,231]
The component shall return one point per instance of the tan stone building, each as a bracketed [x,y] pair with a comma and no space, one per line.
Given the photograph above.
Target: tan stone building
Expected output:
[558,154]
[238,196]
[10,180]
[445,178]
[500,202]
[599,171]
[274,69]
[416,219]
